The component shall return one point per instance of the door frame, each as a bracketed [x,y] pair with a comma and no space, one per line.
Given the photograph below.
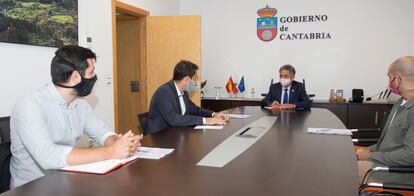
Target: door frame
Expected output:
[140,14]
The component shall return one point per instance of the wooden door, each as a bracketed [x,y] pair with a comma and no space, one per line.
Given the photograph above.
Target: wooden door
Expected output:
[129,82]
[169,40]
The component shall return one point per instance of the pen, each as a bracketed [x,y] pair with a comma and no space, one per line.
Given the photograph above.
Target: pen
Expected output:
[244,131]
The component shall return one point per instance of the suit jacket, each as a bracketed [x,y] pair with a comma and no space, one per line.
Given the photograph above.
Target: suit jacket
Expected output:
[165,110]
[396,143]
[297,95]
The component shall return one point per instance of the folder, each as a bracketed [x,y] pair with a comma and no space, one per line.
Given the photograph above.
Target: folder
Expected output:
[99,167]
[104,167]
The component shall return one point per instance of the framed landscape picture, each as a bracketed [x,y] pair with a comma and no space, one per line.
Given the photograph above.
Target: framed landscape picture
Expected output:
[52,23]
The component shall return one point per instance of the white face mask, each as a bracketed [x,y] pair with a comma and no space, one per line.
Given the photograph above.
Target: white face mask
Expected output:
[285,82]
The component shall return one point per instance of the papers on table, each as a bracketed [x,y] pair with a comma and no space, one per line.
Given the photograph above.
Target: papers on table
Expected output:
[153,153]
[208,127]
[240,116]
[330,131]
[100,167]
[103,167]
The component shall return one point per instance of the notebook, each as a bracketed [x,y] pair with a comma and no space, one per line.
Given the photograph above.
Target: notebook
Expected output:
[104,167]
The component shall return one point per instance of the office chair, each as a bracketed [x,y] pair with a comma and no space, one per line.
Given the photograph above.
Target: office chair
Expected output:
[5,129]
[5,154]
[369,136]
[387,188]
[142,119]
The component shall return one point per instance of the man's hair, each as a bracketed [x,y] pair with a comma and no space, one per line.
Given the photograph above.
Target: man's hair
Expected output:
[68,59]
[184,68]
[404,67]
[288,67]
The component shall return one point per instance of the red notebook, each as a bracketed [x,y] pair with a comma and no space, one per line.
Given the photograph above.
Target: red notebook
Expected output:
[100,167]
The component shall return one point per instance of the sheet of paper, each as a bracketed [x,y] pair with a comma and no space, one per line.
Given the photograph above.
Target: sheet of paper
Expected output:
[330,131]
[208,127]
[153,153]
[240,116]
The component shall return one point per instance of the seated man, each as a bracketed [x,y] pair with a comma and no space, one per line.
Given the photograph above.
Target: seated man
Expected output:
[46,123]
[171,107]
[395,146]
[288,93]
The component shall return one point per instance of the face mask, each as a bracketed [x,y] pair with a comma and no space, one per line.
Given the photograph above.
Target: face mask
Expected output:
[285,82]
[84,88]
[392,88]
[192,87]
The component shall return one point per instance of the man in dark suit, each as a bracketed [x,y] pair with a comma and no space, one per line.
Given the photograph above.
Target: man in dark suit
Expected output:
[171,107]
[288,93]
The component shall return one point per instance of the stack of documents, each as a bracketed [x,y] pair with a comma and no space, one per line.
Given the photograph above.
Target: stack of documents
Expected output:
[103,167]
[208,127]
[240,116]
[331,131]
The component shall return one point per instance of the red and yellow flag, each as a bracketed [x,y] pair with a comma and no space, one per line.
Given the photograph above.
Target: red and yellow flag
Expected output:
[230,87]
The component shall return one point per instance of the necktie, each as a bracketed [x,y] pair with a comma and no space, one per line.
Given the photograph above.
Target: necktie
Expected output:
[182,104]
[285,96]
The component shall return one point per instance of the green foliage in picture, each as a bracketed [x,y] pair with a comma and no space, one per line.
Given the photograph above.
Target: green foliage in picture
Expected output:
[51,23]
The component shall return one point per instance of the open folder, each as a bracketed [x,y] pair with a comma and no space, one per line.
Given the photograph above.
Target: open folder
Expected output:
[104,167]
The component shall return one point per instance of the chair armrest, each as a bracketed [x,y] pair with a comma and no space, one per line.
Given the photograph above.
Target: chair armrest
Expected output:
[364,183]
[390,186]
[369,130]
[401,169]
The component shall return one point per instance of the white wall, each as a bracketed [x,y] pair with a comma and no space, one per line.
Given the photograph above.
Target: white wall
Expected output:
[157,7]
[366,37]
[25,68]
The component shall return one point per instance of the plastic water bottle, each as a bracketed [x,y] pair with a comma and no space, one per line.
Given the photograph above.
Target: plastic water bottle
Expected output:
[253,92]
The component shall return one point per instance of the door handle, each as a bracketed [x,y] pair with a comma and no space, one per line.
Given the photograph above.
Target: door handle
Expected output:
[376,117]
[134,86]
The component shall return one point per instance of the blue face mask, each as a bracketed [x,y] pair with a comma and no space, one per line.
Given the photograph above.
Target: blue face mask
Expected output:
[192,87]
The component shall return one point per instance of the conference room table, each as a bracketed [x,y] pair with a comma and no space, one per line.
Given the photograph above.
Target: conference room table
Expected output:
[286,160]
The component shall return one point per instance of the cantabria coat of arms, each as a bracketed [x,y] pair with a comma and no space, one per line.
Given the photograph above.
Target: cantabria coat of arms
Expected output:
[267,23]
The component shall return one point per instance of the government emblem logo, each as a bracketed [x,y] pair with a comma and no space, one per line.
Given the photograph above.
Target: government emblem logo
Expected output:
[267,23]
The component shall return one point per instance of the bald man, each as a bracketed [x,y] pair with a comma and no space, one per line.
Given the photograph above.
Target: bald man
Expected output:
[395,146]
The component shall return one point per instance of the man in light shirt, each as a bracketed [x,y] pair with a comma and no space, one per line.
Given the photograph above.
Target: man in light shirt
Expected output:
[395,146]
[46,123]
[171,107]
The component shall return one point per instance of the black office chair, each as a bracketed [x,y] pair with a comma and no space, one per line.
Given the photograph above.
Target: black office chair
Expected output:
[387,188]
[5,154]
[5,129]
[369,136]
[142,119]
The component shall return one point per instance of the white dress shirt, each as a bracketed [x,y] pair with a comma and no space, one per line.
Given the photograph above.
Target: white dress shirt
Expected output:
[182,104]
[181,98]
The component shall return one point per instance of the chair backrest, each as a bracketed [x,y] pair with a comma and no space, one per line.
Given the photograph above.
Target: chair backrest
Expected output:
[5,156]
[142,118]
[5,129]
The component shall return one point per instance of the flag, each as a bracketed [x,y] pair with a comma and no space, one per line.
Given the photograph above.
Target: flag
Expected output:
[241,85]
[230,85]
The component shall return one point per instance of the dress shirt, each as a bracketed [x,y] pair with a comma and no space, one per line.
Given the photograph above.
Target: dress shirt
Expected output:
[283,94]
[44,129]
[182,104]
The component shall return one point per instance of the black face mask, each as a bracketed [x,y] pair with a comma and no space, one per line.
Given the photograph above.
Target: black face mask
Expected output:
[84,88]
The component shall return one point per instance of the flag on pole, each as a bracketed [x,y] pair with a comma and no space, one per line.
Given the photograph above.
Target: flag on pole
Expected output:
[230,85]
[241,85]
